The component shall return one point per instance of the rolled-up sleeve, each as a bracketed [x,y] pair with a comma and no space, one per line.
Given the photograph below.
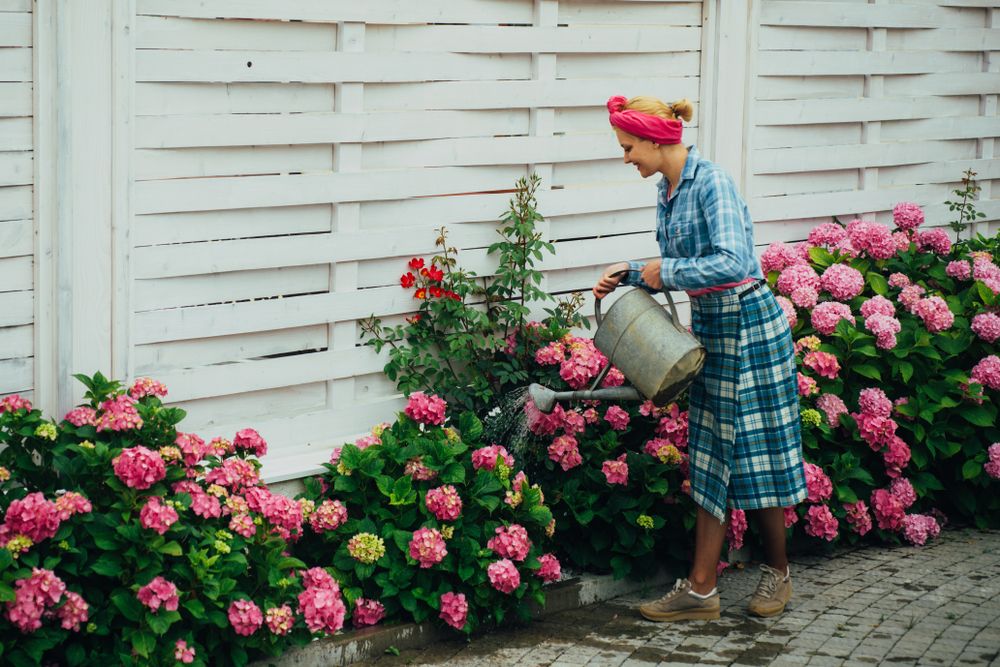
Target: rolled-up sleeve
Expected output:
[722,208]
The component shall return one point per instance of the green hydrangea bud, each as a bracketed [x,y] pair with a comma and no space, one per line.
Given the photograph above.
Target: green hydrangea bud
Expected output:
[47,430]
[503,471]
[811,418]
[644,521]
[222,547]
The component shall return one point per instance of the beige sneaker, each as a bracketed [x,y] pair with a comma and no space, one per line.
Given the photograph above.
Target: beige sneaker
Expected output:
[773,592]
[680,605]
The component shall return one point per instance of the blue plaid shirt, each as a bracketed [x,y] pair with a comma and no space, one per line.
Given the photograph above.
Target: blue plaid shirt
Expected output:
[704,231]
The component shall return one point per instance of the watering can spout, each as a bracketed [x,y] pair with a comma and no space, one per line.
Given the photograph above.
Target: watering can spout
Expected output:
[545,398]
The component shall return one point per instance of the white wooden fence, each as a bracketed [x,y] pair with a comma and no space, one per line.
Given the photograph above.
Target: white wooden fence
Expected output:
[213,192]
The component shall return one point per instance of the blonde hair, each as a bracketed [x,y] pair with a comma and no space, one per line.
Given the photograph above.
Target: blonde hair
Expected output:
[682,109]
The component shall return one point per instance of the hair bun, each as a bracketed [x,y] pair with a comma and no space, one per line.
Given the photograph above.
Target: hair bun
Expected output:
[682,109]
[616,103]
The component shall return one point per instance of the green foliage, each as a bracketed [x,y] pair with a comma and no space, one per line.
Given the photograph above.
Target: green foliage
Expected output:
[966,208]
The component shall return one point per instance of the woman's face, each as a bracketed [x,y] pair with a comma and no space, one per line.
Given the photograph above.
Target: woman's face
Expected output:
[642,153]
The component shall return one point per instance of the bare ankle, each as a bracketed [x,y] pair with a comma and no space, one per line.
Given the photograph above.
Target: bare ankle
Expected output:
[702,585]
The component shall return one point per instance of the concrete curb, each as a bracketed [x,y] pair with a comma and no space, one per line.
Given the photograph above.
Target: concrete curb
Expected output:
[356,645]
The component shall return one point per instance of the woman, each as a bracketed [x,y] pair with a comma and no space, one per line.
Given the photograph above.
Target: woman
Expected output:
[744,440]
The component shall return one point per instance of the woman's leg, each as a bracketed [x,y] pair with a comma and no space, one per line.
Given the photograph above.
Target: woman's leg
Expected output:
[771,523]
[709,534]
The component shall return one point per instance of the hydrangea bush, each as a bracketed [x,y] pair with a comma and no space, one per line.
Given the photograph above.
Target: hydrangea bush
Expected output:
[125,541]
[418,520]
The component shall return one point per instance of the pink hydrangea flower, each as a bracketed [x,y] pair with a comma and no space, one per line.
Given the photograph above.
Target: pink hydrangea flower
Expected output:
[82,416]
[157,516]
[791,517]
[832,406]
[876,430]
[206,506]
[903,490]
[824,364]
[902,240]
[871,238]
[485,458]
[574,422]
[910,295]
[797,276]
[245,617]
[614,378]
[779,256]
[807,385]
[184,653]
[616,471]
[907,215]
[454,609]
[935,313]
[673,425]
[251,441]
[144,387]
[416,469]
[885,328]
[318,577]
[917,528]
[33,597]
[565,451]
[13,403]
[878,305]
[119,414]
[736,528]
[550,569]
[234,474]
[935,240]
[617,417]
[828,234]
[818,484]
[427,547]
[662,449]
[139,468]
[284,515]
[510,542]
[843,282]
[788,308]
[243,524]
[551,354]
[73,612]
[987,372]
[32,516]
[874,401]
[896,456]
[323,609]
[330,515]
[959,269]
[426,409]
[807,344]
[992,467]
[504,576]
[159,592]
[899,280]
[826,315]
[858,517]
[367,612]
[987,326]
[821,523]
[804,297]
[583,364]
[279,620]
[444,503]
[540,423]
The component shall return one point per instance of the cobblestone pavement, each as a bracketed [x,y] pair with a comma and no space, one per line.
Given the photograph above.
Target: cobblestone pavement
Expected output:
[935,605]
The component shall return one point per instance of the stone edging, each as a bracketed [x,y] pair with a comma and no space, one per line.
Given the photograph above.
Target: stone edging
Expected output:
[356,645]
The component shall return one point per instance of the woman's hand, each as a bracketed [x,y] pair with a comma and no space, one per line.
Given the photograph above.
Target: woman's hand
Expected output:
[651,274]
[607,284]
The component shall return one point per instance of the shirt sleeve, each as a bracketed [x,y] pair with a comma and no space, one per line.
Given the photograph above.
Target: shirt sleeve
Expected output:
[723,211]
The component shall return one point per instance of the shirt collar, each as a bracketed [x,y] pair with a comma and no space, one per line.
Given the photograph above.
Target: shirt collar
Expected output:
[687,173]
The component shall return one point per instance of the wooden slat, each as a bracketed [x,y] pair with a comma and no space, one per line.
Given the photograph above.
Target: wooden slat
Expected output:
[813,38]
[16,308]
[966,83]
[160,163]
[163,32]
[16,238]
[15,99]
[15,274]
[532,39]
[945,39]
[821,87]
[155,99]
[16,168]
[320,128]
[974,127]
[16,342]
[786,112]
[15,134]
[211,415]
[236,223]
[15,5]
[944,171]
[332,11]
[588,65]
[841,14]
[786,160]
[325,67]
[574,12]
[15,203]
[816,205]
[16,375]
[839,63]
[15,29]
[15,64]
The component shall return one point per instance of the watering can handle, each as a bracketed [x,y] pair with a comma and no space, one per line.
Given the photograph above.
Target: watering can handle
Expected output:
[670,300]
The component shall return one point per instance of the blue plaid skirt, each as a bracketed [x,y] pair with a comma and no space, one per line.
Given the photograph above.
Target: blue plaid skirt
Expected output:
[745,440]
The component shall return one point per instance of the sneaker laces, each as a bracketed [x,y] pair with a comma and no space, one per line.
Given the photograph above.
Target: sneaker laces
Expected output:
[680,586]
[769,582]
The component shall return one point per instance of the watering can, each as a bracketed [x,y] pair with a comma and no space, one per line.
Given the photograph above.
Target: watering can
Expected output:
[649,346]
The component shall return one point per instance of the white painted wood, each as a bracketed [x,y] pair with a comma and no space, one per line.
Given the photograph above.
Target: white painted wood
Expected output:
[15,5]
[16,168]
[15,274]
[784,160]
[811,38]
[15,99]
[331,11]
[154,99]
[224,413]
[236,223]
[324,67]
[122,177]
[15,134]
[16,238]
[166,32]
[964,83]
[785,112]
[15,203]
[16,309]
[946,39]
[41,304]
[16,375]
[154,164]
[840,63]
[15,342]
[15,29]
[15,64]
[840,14]
[585,12]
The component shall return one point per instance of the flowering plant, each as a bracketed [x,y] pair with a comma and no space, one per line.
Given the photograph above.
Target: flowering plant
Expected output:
[454,345]
[125,541]
[425,522]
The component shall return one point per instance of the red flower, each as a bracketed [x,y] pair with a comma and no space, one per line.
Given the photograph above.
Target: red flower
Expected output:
[407,279]
[436,291]
[453,295]
[424,272]
[414,319]
[416,263]
[420,294]
[435,274]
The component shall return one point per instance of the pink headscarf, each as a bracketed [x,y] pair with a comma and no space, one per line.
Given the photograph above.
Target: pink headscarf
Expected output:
[656,129]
